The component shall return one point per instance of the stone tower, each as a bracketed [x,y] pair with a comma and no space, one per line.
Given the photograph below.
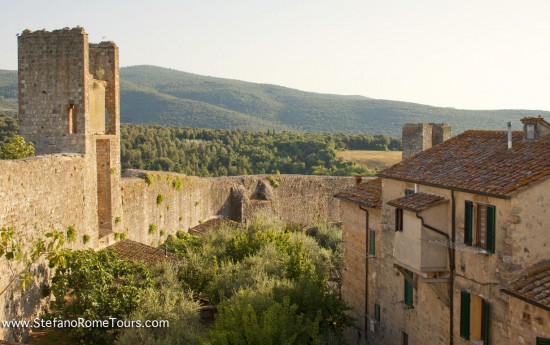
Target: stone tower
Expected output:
[69,103]
[417,137]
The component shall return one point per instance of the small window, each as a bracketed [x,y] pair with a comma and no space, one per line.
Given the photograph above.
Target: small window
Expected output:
[72,118]
[404,338]
[474,318]
[398,219]
[409,290]
[409,191]
[530,132]
[372,243]
[543,341]
[377,312]
[480,225]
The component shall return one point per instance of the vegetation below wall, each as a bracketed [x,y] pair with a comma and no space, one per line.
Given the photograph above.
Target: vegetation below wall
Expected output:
[271,283]
[209,152]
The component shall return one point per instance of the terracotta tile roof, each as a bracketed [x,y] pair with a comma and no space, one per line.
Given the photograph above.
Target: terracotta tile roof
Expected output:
[477,161]
[534,287]
[368,193]
[417,201]
[211,223]
[135,251]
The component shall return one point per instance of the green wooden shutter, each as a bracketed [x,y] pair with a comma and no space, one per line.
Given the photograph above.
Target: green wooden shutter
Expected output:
[486,323]
[543,341]
[377,312]
[465,315]
[408,290]
[491,228]
[372,243]
[468,221]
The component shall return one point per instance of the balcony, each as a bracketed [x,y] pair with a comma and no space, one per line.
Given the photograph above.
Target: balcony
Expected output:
[412,248]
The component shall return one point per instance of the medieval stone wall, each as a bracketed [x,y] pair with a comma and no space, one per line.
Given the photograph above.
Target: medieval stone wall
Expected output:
[42,193]
[37,195]
[173,202]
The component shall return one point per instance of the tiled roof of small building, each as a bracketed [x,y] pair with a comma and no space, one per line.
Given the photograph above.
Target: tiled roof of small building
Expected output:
[135,251]
[368,194]
[533,288]
[417,201]
[211,223]
[478,161]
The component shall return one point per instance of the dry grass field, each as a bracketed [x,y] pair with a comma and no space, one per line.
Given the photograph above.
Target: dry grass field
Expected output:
[372,159]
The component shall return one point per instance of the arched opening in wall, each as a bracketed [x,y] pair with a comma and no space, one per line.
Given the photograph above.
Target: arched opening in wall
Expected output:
[71,114]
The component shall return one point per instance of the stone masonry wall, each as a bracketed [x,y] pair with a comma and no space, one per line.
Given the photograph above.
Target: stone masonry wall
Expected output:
[416,137]
[527,322]
[52,75]
[38,194]
[300,199]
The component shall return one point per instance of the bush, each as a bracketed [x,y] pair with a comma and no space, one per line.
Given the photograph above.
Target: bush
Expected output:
[197,271]
[160,199]
[16,148]
[239,323]
[327,235]
[149,179]
[177,184]
[164,300]
[96,286]
[183,243]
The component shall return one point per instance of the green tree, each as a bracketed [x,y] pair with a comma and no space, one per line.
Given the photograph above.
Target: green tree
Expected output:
[96,286]
[16,148]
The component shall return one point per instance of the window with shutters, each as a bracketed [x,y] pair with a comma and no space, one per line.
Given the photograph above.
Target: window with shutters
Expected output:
[409,290]
[372,243]
[543,341]
[409,191]
[398,219]
[480,225]
[474,318]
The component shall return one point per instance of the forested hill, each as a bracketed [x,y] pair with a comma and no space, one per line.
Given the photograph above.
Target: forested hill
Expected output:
[155,95]
[220,152]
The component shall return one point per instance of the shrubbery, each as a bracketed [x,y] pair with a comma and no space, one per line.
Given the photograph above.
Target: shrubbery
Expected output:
[269,280]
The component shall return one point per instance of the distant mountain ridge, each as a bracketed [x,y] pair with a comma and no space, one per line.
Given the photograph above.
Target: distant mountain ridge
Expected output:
[156,95]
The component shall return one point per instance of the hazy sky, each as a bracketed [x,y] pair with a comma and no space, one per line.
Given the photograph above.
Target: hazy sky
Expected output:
[474,54]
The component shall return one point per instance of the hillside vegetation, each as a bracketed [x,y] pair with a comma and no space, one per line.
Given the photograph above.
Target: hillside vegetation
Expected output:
[209,152]
[155,95]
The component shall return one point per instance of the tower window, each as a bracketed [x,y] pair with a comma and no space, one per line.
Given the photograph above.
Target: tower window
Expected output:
[72,118]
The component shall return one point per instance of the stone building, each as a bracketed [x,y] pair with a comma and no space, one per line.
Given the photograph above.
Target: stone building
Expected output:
[460,254]
[69,107]
[417,137]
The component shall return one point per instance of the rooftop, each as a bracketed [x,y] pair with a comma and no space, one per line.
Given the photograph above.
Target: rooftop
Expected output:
[533,287]
[368,194]
[135,251]
[478,161]
[417,201]
[211,223]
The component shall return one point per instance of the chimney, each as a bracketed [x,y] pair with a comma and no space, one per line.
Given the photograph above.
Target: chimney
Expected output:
[535,128]
[509,135]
